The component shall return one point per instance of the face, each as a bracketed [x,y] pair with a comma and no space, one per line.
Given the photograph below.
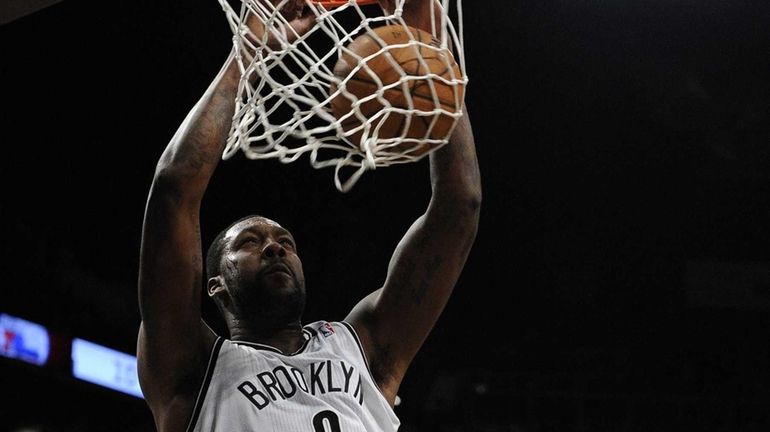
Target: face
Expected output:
[262,270]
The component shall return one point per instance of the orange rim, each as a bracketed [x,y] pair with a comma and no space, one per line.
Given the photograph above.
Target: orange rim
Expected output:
[337,3]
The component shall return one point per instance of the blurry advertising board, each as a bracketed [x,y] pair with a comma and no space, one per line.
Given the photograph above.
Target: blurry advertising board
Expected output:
[23,340]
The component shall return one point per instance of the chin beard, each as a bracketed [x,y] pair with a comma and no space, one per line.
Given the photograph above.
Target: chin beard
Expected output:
[271,306]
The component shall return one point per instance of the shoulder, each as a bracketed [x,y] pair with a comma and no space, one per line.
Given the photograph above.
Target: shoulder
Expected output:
[171,385]
[326,329]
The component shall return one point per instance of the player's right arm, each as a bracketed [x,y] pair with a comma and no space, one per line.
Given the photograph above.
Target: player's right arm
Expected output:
[173,342]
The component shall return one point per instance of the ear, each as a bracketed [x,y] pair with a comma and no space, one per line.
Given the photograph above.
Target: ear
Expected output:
[215,286]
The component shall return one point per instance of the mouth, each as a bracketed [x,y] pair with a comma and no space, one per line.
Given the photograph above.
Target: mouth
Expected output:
[277,268]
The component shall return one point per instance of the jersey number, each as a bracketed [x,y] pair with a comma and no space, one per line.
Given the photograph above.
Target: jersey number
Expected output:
[324,418]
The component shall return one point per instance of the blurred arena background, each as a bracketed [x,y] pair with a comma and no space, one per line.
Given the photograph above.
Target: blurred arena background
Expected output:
[621,276]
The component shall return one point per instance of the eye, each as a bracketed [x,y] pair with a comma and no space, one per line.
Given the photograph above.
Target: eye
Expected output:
[285,241]
[249,240]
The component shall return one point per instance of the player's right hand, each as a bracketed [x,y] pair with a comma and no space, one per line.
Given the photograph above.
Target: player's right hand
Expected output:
[299,20]
[290,9]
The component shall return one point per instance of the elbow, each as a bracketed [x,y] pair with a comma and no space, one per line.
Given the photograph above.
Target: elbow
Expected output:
[460,192]
[167,180]
[469,204]
[172,186]
[464,207]
[466,198]
[178,171]
[473,200]
[473,204]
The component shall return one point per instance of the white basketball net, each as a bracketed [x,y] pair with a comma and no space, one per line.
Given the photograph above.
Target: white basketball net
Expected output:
[284,110]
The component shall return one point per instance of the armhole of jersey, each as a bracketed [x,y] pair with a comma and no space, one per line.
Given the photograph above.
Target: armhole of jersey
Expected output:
[352,331]
[205,384]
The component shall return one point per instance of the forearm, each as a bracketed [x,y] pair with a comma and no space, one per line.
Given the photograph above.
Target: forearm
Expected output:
[170,261]
[196,148]
[454,170]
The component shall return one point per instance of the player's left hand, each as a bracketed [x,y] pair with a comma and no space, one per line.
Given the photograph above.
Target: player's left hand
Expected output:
[417,13]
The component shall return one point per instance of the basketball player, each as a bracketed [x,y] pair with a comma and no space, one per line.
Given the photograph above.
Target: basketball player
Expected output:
[274,373]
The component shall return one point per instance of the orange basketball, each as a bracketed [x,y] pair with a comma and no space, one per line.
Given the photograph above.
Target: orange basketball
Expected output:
[410,64]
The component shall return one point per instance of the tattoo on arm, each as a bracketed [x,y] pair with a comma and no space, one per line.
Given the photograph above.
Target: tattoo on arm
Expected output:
[431,267]
[430,259]
[206,137]
[198,258]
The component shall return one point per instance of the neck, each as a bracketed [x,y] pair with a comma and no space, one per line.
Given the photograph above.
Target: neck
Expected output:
[287,337]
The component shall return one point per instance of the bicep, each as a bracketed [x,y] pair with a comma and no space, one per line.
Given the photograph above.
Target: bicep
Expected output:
[171,336]
[395,320]
[170,263]
[167,373]
[428,261]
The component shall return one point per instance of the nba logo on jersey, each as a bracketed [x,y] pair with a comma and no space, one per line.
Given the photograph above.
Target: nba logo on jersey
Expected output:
[326,329]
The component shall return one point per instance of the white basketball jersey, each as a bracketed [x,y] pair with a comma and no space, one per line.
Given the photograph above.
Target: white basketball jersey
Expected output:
[326,386]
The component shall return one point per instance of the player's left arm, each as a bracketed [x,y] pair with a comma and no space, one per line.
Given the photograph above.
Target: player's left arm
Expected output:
[394,321]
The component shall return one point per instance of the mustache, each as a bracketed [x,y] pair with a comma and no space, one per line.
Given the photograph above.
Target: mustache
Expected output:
[278,266]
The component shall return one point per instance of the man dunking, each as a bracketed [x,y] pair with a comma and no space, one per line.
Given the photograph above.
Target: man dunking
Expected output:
[274,373]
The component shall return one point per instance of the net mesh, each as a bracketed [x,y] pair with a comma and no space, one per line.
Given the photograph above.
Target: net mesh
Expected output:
[288,82]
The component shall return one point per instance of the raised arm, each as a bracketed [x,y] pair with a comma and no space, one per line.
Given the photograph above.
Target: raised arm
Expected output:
[394,321]
[173,342]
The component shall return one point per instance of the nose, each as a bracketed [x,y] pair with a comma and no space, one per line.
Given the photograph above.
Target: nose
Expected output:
[273,249]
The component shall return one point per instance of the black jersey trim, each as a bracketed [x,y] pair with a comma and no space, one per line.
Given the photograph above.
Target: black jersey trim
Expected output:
[308,336]
[312,331]
[363,354]
[260,346]
[206,381]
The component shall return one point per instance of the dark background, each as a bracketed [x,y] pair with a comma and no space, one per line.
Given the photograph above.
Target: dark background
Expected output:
[620,280]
